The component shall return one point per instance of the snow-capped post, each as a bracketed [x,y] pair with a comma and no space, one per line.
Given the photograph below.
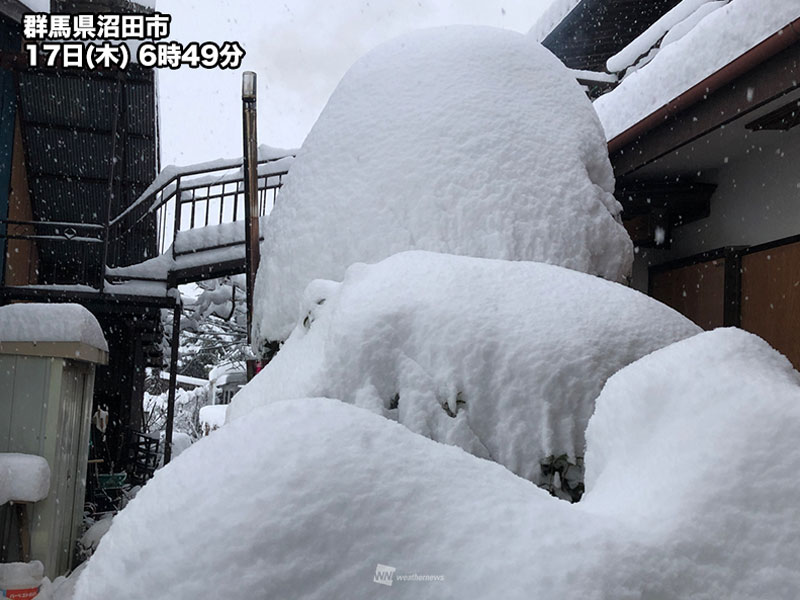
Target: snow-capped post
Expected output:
[250,166]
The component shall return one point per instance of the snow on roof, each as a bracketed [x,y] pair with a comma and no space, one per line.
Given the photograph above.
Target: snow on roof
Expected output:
[502,358]
[653,34]
[50,322]
[185,379]
[39,6]
[715,40]
[226,368]
[465,140]
[550,18]
[23,477]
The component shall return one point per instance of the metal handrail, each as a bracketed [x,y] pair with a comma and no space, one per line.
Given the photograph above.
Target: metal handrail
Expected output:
[190,197]
[212,194]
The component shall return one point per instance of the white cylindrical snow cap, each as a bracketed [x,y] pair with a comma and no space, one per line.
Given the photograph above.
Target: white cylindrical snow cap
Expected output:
[50,322]
[463,140]
[17,578]
[23,477]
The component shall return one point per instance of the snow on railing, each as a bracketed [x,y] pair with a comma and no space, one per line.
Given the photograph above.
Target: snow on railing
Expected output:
[202,195]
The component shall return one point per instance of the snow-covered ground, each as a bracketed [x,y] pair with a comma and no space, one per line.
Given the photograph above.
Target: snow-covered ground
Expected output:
[691,486]
[464,140]
[501,358]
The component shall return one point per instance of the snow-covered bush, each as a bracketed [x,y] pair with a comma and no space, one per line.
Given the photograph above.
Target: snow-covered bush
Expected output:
[501,358]
[463,140]
[95,529]
[187,410]
[692,490]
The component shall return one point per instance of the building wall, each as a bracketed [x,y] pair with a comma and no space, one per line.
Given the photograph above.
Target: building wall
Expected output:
[21,256]
[757,201]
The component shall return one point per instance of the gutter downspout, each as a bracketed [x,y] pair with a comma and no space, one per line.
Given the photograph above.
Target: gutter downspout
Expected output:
[780,40]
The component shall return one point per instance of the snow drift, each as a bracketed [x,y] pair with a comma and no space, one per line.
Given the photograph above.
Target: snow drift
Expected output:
[501,358]
[695,446]
[692,487]
[462,140]
[303,499]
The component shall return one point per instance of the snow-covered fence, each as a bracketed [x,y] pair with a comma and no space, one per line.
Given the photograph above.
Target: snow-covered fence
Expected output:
[202,195]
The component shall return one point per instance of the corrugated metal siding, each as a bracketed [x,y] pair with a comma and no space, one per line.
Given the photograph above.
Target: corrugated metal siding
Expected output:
[595,30]
[67,100]
[68,153]
[76,201]
[68,120]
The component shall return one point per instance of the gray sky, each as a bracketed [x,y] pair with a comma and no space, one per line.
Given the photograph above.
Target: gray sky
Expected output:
[300,49]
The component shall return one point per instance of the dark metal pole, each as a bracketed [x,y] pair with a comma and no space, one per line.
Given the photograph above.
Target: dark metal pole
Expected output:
[173,378]
[250,166]
[111,175]
[177,214]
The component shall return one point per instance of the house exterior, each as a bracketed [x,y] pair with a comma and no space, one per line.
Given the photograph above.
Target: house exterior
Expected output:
[705,146]
[77,146]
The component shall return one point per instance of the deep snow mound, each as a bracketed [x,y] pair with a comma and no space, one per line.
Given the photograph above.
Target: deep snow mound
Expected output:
[501,358]
[695,445]
[304,500]
[462,140]
[693,493]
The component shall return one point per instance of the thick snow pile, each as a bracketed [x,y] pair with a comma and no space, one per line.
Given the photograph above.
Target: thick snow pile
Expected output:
[180,442]
[463,140]
[36,322]
[23,477]
[303,500]
[692,462]
[696,447]
[501,358]
[702,43]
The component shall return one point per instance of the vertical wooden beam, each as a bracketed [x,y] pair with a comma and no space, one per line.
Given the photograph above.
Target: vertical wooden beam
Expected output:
[732,313]
[23,522]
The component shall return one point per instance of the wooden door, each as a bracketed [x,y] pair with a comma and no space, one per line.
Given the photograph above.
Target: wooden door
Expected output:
[695,290]
[771,297]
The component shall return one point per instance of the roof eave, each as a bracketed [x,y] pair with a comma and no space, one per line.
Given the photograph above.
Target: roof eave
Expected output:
[780,40]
